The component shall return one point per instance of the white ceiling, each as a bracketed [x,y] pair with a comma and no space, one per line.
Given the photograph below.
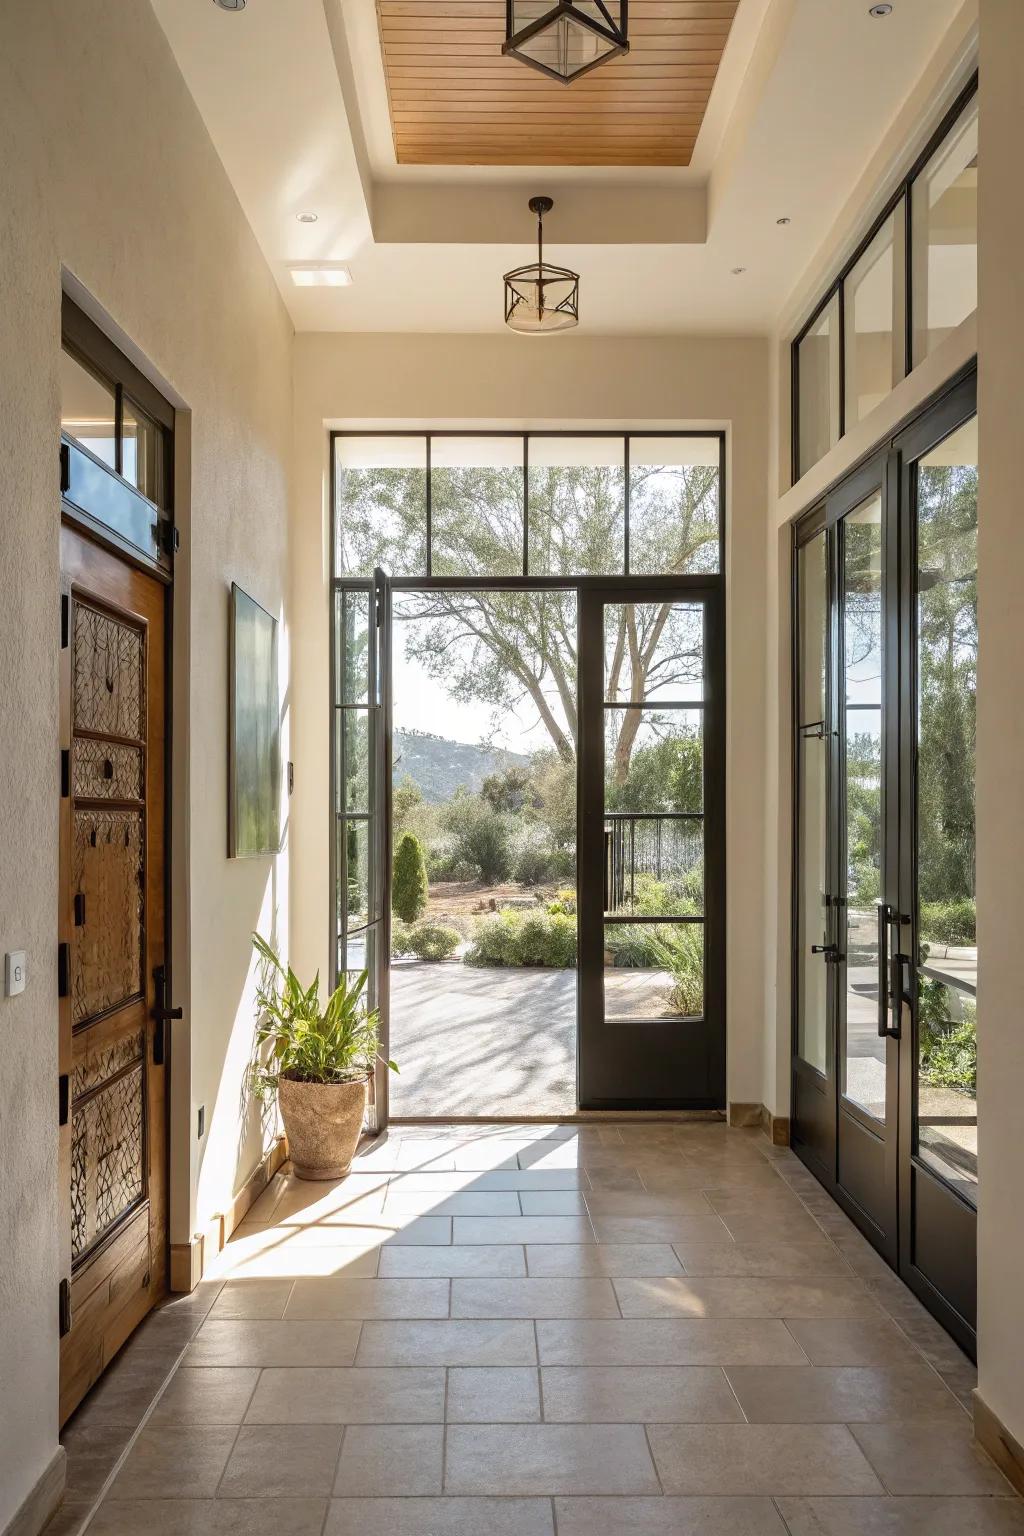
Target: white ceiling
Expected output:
[292,93]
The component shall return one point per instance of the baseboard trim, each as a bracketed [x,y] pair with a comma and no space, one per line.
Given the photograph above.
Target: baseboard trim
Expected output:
[745,1115]
[993,1437]
[190,1261]
[42,1500]
[758,1117]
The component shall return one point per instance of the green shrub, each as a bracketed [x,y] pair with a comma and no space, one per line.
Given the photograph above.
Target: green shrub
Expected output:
[480,837]
[564,902]
[536,866]
[409,888]
[685,961]
[948,1047]
[948,922]
[401,938]
[524,938]
[433,941]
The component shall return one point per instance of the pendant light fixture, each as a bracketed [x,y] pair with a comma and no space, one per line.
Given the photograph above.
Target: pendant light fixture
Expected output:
[567,39]
[541,297]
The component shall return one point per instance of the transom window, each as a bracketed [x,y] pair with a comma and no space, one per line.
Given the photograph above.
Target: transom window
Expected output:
[541,504]
[911,281]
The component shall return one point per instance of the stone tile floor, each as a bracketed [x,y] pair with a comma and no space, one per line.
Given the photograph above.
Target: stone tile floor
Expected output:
[541,1330]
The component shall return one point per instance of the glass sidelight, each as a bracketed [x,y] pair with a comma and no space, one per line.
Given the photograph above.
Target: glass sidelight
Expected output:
[361,799]
[885,952]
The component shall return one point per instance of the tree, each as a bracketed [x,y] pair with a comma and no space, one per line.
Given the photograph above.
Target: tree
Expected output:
[507,648]
[482,836]
[510,791]
[409,888]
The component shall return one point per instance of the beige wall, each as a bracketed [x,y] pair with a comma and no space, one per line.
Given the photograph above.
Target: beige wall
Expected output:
[1000,785]
[107,170]
[361,380]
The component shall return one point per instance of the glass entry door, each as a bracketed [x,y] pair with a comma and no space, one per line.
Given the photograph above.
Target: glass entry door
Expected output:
[650,894]
[885,954]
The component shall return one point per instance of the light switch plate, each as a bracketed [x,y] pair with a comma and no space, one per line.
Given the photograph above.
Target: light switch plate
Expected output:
[15,972]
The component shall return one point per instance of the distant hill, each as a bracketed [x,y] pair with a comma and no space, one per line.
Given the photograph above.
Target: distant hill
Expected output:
[439,766]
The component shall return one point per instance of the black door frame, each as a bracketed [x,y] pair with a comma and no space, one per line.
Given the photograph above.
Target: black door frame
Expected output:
[710,1044]
[930,1225]
[658,1053]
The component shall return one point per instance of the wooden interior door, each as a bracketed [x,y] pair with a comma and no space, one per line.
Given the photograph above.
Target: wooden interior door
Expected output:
[112,934]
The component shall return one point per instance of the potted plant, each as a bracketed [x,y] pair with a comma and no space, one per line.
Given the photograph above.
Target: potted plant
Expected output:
[317,1061]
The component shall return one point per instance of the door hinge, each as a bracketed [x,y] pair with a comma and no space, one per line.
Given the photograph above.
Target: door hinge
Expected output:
[79,909]
[291,778]
[63,968]
[169,538]
[65,620]
[64,1307]
[65,469]
[63,1099]
[65,772]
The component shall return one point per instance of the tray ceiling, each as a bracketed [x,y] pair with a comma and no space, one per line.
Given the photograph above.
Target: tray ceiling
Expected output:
[455,100]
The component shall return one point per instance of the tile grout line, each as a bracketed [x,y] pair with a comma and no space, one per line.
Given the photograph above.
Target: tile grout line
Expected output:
[728,1381]
[654,1464]
[108,1481]
[785,1523]
[334,1479]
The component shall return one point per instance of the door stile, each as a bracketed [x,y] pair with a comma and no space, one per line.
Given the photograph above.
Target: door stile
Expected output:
[379,693]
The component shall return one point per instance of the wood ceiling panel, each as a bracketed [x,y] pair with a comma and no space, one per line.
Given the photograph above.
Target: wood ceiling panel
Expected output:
[455,100]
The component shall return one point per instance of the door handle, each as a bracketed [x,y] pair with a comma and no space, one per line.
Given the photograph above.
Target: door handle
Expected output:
[162,1014]
[889,976]
[830,951]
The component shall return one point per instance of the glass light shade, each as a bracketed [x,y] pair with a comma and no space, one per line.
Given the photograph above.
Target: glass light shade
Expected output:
[567,39]
[541,298]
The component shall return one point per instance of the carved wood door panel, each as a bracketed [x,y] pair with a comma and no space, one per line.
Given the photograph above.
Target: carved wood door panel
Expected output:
[113,940]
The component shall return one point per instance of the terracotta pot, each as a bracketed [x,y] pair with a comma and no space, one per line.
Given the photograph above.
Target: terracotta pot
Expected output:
[323,1122]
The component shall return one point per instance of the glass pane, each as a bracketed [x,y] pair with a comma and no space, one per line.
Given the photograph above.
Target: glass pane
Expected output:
[577,506]
[654,651]
[653,971]
[818,377]
[812,592]
[861,695]
[653,760]
[873,296]
[944,211]
[674,486]
[476,506]
[351,647]
[352,743]
[947,654]
[353,871]
[140,451]
[812,586]
[87,408]
[380,505]
[654,866]
[813,916]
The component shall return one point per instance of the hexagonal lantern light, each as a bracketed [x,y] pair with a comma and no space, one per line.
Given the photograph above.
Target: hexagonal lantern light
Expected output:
[541,297]
[567,39]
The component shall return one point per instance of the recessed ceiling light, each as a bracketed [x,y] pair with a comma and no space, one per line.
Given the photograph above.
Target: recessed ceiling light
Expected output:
[880,10]
[783,220]
[322,276]
[307,218]
[230,5]
[737,270]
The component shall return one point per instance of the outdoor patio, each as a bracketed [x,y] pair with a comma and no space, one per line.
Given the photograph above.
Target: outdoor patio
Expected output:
[495,1041]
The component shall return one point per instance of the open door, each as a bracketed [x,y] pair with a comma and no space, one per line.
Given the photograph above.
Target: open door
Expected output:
[362,802]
